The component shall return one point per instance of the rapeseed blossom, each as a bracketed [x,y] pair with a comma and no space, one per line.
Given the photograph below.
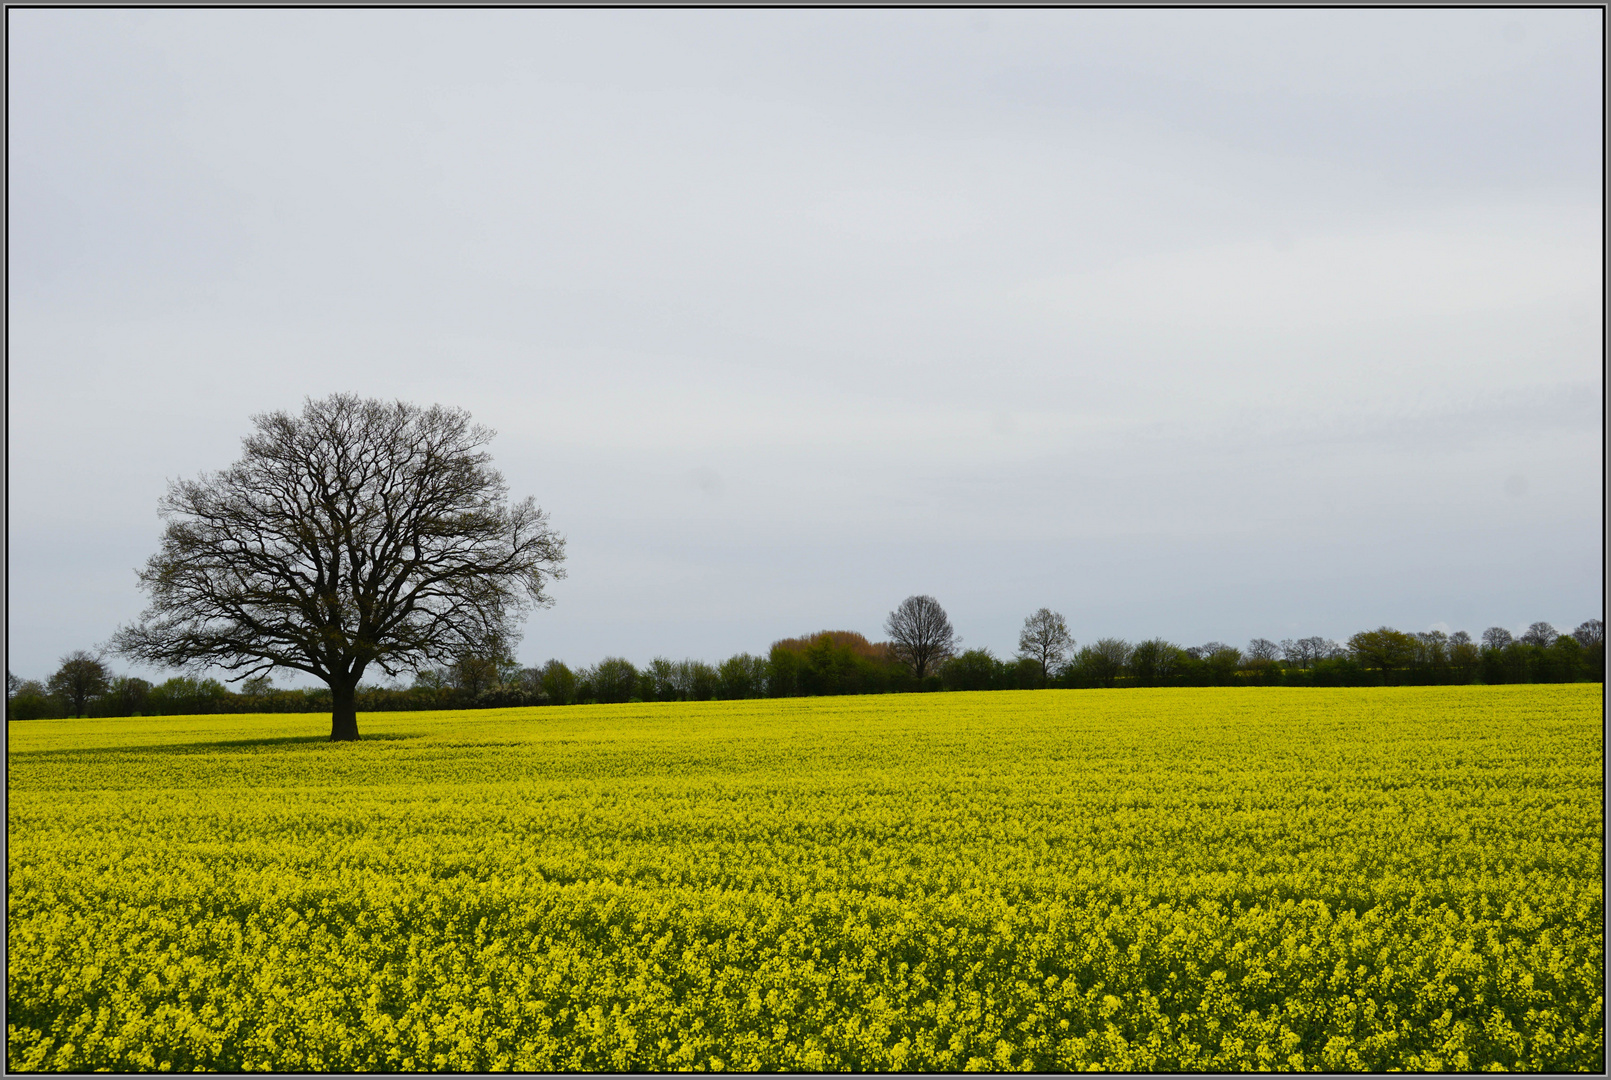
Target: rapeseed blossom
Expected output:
[1171,880]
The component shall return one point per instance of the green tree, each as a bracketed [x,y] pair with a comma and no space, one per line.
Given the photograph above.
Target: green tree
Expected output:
[185,695]
[782,671]
[829,666]
[1385,649]
[81,678]
[1222,662]
[698,679]
[558,683]
[613,680]
[1591,635]
[977,669]
[31,701]
[741,676]
[1567,659]
[1520,662]
[1464,657]
[127,695]
[1024,674]
[661,674]
[1102,662]
[1156,662]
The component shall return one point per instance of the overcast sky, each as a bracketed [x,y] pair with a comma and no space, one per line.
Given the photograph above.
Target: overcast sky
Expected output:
[1195,324]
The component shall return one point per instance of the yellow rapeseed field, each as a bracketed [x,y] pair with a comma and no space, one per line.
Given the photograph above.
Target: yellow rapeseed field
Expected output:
[1207,879]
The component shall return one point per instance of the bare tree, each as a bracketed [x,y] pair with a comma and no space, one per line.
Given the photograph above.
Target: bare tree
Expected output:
[1432,647]
[1589,633]
[921,633]
[1263,650]
[1541,634]
[1045,639]
[360,533]
[1303,652]
[1464,655]
[1495,637]
[1327,649]
[82,676]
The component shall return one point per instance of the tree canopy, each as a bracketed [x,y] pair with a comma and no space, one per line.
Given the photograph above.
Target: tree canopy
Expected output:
[358,534]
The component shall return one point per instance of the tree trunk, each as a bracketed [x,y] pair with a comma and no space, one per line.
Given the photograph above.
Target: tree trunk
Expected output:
[343,712]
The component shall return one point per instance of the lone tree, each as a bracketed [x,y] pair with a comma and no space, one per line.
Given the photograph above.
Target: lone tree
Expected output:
[920,632]
[359,533]
[1045,639]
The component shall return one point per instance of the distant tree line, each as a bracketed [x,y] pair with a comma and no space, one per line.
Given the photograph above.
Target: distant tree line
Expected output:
[920,655]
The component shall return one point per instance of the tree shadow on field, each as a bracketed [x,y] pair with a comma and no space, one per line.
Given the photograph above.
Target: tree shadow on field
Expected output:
[211,746]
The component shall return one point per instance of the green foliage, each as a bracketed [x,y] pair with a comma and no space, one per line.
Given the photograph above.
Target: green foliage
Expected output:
[1023,673]
[185,695]
[1156,662]
[1340,671]
[834,662]
[684,680]
[1518,662]
[783,671]
[977,669]
[1157,881]
[81,679]
[31,701]
[611,681]
[558,683]
[1221,666]
[127,696]
[1385,650]
[741,676]
[1099,664]
[832,667]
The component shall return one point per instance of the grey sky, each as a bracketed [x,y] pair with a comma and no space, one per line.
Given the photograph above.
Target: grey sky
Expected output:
[1201,324]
